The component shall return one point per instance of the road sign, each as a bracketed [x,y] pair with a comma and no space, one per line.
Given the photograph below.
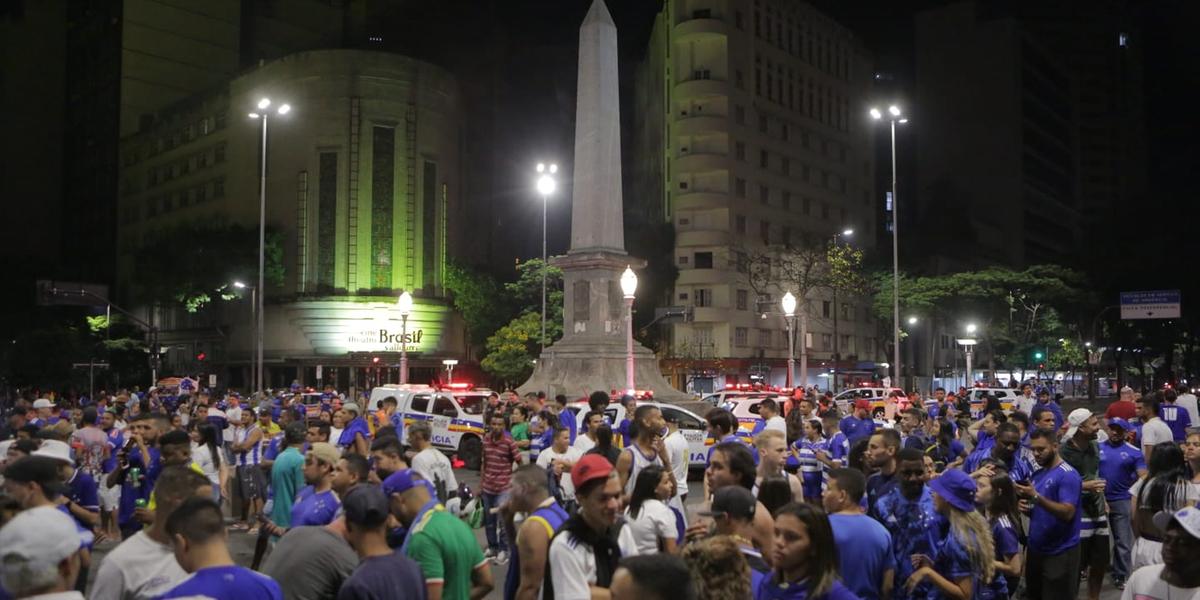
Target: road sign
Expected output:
[212,380]
[71,293]
[1158,304]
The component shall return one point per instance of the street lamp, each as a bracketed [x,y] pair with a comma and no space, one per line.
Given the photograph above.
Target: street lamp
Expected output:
[449,364]
[264,114]
[254,370]
[628,287]
[837,352]
[912,320]
[893,117]
[789,310]
[545,186]
[405,304]
[968,345]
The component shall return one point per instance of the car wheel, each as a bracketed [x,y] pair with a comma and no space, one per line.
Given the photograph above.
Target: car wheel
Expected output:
[470,451]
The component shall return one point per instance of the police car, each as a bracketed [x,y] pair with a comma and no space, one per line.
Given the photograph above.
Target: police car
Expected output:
[745,410]
[455,413]
[742,390]
[979,397]
[692,426]
[877,395]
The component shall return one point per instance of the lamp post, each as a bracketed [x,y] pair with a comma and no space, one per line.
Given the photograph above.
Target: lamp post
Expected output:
[628,287]
[836,350]
[264,114]
[893,117]
[254,369]
[968,344]
[912,353]
[405,304]
[789,310]
[545,187]
[449,364]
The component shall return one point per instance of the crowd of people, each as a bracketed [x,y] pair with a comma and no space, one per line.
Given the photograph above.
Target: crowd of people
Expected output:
[940,500]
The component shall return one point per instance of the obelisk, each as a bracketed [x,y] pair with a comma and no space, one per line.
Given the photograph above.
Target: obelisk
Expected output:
[591,354]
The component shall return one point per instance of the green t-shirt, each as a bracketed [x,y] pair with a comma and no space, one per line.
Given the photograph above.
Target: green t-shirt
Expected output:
[287,477]
[446,550]
[520,431]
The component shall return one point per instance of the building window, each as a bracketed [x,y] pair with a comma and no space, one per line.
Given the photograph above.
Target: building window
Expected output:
[764,159]
[739,150]
[219,154]
[739,187]
[739,336]
[764,231]
[787,200]
[219,188]
[740,224]
[807,206]
[703,297]
[739,114]
[704,260]
[757,82]
[743,300]
[847,345]
[785,165]
[764,195]
[826,341]
[826,308]
[764,338]
[383,145]
[847,313]
[805,172]
[762,123]
[738,79]
[151,207]
[825,210]
[786,236]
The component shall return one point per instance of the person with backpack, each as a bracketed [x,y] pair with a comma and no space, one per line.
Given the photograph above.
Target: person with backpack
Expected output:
[557,461]
[531,495]
[430,462]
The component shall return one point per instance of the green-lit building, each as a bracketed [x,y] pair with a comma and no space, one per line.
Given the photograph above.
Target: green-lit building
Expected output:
[365,184]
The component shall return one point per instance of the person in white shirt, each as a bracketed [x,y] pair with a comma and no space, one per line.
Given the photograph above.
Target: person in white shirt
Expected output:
[40,555]
[768,410]
[1025,402]
[679,452]
[1187,400]
[591,422]
[559,458]
[648,517]
[429,461]
[577,565]
[1179,574]
[144,566]
[1154,430]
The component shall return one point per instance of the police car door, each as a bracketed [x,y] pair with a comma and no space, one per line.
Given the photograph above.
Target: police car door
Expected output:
[444,412]
[695,432]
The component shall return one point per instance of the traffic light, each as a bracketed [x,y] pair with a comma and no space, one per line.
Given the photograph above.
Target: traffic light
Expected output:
[1038,355]
[201,356]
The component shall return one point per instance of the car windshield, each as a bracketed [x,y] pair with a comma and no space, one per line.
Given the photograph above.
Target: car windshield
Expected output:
[472,405]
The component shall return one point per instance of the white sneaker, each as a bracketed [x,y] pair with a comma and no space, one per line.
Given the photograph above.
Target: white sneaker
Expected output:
[489,553]
[501,557]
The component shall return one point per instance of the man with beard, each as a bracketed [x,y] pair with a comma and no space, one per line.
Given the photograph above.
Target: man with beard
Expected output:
[1005,452]
[1080,450]
[907,512]
[881,458]
[388,456]
[1052,566]
[110,495]
[585,552]
[1121,464]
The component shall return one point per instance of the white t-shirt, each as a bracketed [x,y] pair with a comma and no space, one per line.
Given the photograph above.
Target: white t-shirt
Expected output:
[776,423]
[678,451]
[573,564]
[1154,432]
[1146,583]
[434,466]
[654,521]
[138,569]
[583,443]
[1188,402]
[572,455]
[1025,404]
[203,459]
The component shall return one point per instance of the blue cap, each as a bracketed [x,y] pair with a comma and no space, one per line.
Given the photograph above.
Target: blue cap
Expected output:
[1122,423]
[955,487]
[399,482]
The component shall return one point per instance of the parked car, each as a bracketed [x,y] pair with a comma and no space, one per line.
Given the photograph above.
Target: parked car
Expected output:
[456,416]
[693,427]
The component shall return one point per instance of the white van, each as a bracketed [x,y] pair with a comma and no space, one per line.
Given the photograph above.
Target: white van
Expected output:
[456,416]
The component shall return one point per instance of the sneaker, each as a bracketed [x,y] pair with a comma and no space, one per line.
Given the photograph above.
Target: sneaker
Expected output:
[1119,583]
[501,557]
[489,553]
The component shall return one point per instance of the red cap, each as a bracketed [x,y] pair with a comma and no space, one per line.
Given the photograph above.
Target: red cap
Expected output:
[591,466]
[862,403]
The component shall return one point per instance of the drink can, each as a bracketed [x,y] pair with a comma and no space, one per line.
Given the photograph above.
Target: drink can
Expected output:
[140,503]
[135,477]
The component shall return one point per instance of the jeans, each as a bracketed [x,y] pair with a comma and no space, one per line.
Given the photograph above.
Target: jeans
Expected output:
[1122,536]
[491,520]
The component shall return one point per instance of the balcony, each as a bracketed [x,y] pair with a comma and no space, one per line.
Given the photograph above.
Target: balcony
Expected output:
[703,277]
[701,200]
[701,88]
[701,162]
[705,237]
[699,124]
[697,29]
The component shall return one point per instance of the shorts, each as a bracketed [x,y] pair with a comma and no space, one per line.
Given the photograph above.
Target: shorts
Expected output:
[110,498]
[251,482]
[1094,552]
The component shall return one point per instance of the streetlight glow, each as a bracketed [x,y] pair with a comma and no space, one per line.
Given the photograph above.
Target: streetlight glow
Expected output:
[912,320]
[789,304]
[253,115]
[285,109]
[629,282]
[264,103]
[847,232]
[239,285]
[875,114]
[405,303]
[971,328]
[895,110]
[545,185]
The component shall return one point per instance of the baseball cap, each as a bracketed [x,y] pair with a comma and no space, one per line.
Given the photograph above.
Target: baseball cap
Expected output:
[1188,518]
[36,539]
[1126,390]
[43,403]
[325,452]
[956,488]
[1119,422]
[732,500]
[60,451]
[862,403]
[1077,417]
[365,505]
[591,466]
[399,482]
[352,407]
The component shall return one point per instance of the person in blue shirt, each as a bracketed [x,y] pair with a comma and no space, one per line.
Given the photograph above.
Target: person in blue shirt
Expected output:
[141,454]
[1004,451]
[965,556]
[198,537]
[565,417]
[804,452]
[984,430]
[630,404]
[1055,520]
[882,448]
[1121,464]
[805,558]
[722,428]
[316,503]
[997,501]
[1044,402]
[837,447]
[1176,417]
[859,425]
[908,514]
[356,437]
[864,546]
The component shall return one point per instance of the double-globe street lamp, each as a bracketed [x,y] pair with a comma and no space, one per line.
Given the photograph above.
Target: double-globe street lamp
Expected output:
[837,356]
[629,283]
[968,343]
[789,311]
[545,186]
[254,368]
[894,116]
[405,304]
[263,113]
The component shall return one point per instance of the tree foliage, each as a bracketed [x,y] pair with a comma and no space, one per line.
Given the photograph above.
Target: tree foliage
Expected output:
[479,298]
[804,270]
[511,349]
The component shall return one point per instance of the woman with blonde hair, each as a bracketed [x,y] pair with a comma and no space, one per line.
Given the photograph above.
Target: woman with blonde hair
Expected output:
[966,556]
[718,568]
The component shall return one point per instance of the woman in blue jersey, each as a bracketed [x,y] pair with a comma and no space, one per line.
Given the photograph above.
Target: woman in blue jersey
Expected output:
[997,500]
[965,557]
[812,472]
[806,559]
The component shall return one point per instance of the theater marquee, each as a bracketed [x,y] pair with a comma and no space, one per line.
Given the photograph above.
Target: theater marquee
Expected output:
[342,327]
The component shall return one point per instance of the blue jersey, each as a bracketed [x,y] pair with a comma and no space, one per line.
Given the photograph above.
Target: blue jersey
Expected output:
[357,426]
[539,443]
[1047,533]
[140,489]
[856,428]
[1177,419]
[1052,407]
[226,583]
[879,485]
[838,448]
[1019,469]
[116,441]
[953,563]
[769,588]
[312,508]
[916,528]
[812,471]
[864,552]
[1119,467]
[1004,538]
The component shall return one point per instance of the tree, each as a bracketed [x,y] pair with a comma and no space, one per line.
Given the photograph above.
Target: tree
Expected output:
[511,349]
[478,297]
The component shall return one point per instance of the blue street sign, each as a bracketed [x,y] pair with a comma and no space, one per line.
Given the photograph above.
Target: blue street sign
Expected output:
[1157,304]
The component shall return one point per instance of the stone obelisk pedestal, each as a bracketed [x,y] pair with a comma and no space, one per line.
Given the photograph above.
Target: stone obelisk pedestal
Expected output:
[591,355]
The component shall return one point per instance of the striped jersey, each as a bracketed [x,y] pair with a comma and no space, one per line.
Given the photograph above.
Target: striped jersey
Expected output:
[253,456]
